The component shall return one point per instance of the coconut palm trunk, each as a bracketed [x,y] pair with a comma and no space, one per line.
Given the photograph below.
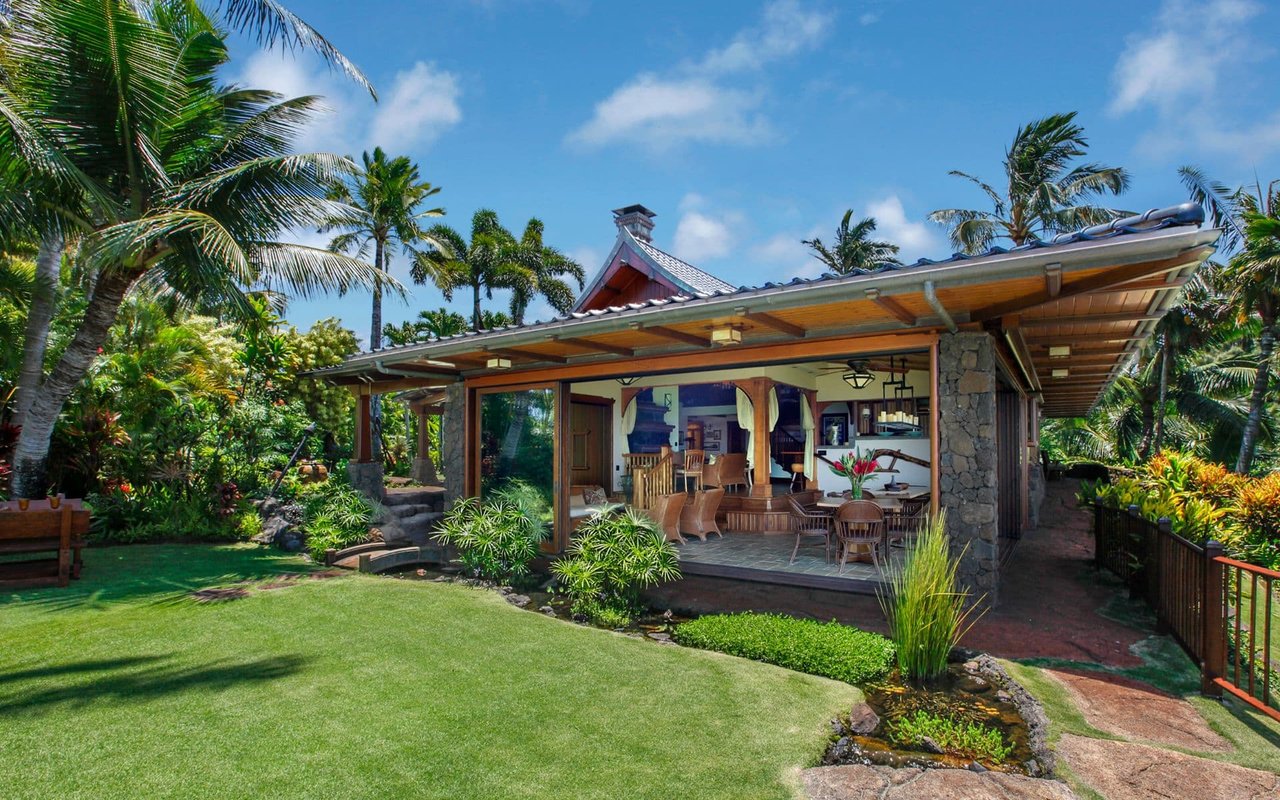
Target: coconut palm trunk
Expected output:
[31,455]
[1258,399]
[39,318]
[1166,352]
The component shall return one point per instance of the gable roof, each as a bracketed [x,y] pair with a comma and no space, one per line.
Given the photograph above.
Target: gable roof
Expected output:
[685,277]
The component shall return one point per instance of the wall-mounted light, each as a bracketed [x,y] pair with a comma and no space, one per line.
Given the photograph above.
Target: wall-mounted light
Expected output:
[726,336]
[1060,351]
[498,363]
[666,400]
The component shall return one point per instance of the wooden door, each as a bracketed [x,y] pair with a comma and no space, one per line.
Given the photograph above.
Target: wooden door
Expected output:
[1010,446]
[590,444]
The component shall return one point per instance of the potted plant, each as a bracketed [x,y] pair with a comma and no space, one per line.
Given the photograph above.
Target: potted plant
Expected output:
[856,469]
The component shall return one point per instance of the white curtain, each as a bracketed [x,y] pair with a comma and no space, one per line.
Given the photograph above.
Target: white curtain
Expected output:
[773,420]
[806,422]
[629,417]
[747,421]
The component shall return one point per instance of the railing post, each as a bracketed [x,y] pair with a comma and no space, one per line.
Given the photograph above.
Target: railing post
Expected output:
[1155,570]
[1213,623]
[1097,532]
[1130,545]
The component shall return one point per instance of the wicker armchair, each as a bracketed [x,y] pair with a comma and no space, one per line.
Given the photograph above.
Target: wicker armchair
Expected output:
[699,517]
[904,522]
[730,470]
[666,512]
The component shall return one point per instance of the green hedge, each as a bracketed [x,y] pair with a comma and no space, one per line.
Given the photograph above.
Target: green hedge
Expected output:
[828,649]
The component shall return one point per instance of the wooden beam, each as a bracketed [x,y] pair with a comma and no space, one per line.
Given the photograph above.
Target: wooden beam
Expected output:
[424,370]
[895,309]
[511,352]
[1087,319]
[1093,283]
[1123,337]
[1150,284]
[770,321]
[671,333]
[1053,279]
[586,344]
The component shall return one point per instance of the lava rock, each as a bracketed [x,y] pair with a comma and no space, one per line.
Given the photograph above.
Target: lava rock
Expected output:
[548,610]
[519,600]
[863,720]
[974,766]
[660,637]
[973,684]
[930,746]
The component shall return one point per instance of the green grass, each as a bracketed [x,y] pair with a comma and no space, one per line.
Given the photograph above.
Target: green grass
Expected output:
[121,687]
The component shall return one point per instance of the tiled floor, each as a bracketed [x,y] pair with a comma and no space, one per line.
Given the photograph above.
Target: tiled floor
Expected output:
[773,552]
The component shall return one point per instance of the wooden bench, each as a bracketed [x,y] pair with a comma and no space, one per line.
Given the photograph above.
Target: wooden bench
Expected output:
[59,531]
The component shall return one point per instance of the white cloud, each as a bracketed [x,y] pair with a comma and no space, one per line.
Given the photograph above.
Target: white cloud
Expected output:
[699,102]
[702,237]
[421,104]
[1190,68]
[785,29]
[869,18]
[916,238]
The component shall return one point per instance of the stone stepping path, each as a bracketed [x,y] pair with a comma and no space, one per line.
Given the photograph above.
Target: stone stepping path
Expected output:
[860,782]
[1124,771]
[1133,710]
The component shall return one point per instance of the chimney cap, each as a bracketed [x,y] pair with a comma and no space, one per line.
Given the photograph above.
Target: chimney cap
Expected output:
[633,209]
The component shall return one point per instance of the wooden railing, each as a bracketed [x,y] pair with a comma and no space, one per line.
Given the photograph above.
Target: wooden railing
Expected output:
[653,481]
[1219,610]
[634,461]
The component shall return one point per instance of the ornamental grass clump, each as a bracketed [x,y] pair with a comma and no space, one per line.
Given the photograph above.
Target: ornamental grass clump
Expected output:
[612,557]
[956,737]
[828,649]
[927,612]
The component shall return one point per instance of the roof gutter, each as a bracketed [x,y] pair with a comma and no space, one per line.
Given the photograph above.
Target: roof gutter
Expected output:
[1073,257]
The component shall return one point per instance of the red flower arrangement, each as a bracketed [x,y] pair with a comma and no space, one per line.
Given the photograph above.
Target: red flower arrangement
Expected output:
[856,468]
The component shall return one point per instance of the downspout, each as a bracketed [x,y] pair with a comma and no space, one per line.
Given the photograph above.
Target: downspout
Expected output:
[931,297]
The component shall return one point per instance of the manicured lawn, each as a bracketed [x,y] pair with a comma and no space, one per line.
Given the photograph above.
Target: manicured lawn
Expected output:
[122,687]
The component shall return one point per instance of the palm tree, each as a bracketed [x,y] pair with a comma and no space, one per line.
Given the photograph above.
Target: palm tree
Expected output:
[1250,222]
[1045,194]
[494,259]
[387,195]
[112,120]
[432,324]
[854,250]
[547,268]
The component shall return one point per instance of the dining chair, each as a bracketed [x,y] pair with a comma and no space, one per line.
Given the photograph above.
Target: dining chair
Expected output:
[859,523]
[694,461]
[809,522]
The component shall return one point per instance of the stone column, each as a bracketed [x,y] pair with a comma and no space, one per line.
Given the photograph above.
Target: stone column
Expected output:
[453,443]
[365,472]
[967,451]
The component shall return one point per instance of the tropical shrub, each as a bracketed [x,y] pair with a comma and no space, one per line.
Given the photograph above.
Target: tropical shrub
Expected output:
[828,649]
[497,537]
[928,612]
[1202,501]
[612,557]
[957,737]
[334,516]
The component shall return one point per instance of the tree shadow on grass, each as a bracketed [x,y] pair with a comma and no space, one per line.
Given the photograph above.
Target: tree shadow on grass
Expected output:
[132,573]
[125,683]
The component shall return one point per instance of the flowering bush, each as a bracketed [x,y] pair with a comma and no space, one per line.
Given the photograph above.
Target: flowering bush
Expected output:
[856,469]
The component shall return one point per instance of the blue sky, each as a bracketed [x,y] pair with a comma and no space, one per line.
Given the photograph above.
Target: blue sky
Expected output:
[748,126]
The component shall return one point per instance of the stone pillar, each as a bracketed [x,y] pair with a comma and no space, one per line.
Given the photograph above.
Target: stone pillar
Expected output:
[967,452]
[364,471]
[424,469]
[453,443]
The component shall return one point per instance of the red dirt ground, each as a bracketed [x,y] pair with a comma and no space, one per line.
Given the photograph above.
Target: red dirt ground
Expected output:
[1049,599]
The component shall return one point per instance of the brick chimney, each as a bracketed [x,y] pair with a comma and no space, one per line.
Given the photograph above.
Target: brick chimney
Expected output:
[636,219]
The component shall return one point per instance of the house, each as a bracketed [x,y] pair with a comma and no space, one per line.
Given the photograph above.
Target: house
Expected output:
[943,369]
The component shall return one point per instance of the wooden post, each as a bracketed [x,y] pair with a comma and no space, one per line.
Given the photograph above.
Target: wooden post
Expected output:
[1155,569]
[1098,560]
[1213,622]
[364,427]
[424,441]
[759,393]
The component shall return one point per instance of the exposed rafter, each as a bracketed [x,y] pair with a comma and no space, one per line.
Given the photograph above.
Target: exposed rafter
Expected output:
[674,335]
[586,344]
[1087,319]
[895,309]
[511,352]
[770,321]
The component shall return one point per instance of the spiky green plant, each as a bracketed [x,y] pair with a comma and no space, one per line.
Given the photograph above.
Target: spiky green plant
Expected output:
[928,612]
[612,557]
[497,537]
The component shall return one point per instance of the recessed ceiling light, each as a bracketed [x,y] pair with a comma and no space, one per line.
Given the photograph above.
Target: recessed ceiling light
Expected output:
[1060,351]
[1061,373]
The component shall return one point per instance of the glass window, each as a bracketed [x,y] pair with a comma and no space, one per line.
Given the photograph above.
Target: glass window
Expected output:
[517,443]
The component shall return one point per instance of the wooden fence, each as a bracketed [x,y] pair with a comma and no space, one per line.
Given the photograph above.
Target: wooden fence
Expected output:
[1220,610]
